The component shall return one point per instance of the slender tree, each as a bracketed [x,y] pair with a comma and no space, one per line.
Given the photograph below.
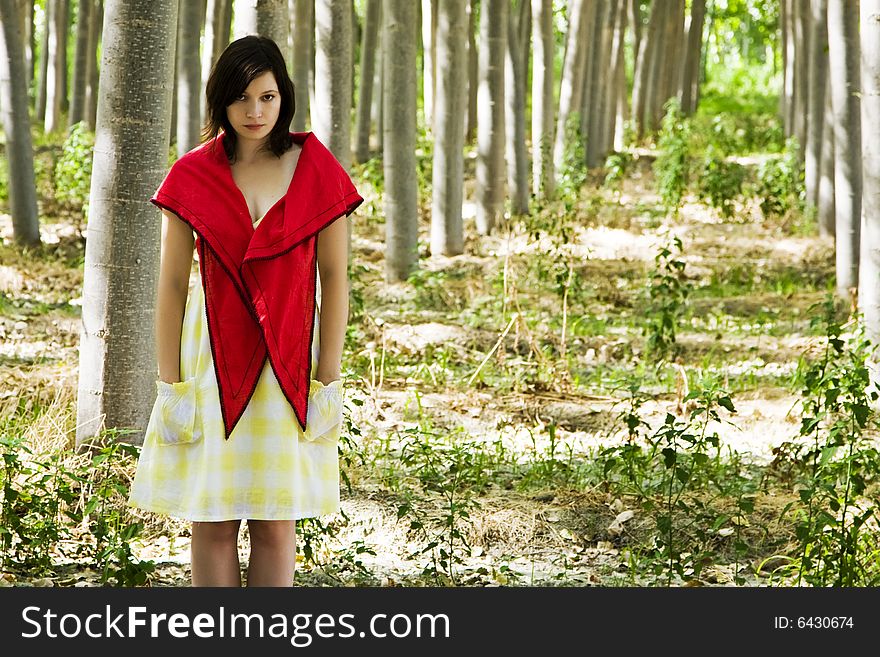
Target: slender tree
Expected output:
[96,22]
[303,34]
[816,96]
[331,116]
[515,113]
[429,59]
[117,365]
[401,188]
[267,18]
[189,76]
[64,21]
[825,209]
[56,59]
[542,96]
[693,54]
[80,64]
[16,127]
[801,18]
[447,235]
[843,59]
[473,74]
[368,72]
[490,114]
[869,281]
[571,84]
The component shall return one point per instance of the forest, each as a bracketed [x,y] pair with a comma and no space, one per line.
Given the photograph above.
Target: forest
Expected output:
[614,291]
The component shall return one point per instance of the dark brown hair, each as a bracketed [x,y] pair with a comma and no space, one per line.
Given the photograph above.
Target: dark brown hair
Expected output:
[243,60]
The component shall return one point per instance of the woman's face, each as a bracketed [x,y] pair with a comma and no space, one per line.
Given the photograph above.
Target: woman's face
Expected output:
[254,113]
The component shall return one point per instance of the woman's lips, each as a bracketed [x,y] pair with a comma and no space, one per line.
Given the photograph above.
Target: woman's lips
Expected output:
[253,127]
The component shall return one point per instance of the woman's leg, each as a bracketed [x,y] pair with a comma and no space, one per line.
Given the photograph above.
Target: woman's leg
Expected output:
[273,552]
[214,549]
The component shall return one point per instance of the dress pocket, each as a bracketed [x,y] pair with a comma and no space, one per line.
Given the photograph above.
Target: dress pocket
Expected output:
[174,413]
[324,417]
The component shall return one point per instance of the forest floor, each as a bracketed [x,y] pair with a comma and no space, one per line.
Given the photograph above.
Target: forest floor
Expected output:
[538,412]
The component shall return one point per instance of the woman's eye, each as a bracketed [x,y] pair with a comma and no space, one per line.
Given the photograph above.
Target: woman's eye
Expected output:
[269,97]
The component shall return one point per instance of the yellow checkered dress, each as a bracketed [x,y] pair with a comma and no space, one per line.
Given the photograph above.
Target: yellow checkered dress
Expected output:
[267,470]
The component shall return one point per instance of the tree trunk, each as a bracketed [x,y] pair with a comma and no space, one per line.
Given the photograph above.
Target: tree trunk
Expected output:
[117,365]
[543,46]
[368,73]
[64,22]
[801,79]
[634,9]
[429,59]
[225,28]
[267,18]
[644,75]
[96,23]
[843,59]
[789,75]
[816,95]
[473,75]
[826,170]
[378,85]
[304,12]
[597,138]
[869,281]
[447,235]
[515,112]
[592,82]
[26,7]
[55,59]
[15,120]
[401,188]
[331,118]
[40,93]
[80,64]
[189,76]
[213,18]
[490,114]
[571,85]
[616,99]
[693,55]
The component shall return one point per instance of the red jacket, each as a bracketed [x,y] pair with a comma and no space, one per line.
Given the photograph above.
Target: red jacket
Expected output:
[259,284]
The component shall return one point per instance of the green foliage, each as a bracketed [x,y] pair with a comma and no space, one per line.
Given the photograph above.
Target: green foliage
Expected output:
[720,182]
[836,546]
[572,174]
[780,182]
[4,180]
[73,171]
[672,166]
[667,292]
[617,166]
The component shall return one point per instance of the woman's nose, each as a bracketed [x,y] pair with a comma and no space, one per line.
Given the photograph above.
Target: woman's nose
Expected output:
[255,110]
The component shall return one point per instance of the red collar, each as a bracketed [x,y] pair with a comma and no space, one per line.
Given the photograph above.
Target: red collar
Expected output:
[259,283]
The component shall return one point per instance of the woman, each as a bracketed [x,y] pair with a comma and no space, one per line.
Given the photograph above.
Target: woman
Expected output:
[249,402]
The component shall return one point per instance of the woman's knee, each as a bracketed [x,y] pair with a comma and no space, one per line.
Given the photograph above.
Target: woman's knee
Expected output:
[217,532]
[272,533]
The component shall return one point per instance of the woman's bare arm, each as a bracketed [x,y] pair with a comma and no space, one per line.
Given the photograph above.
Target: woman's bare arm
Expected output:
[333,268]
[174,268]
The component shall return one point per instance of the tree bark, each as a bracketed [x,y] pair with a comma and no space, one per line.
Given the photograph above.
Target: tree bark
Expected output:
[267,18]
[189,76]
[55,60]
[429,60]
[473,75]
[515,112]
[825,215]
[213,17]
[15,121]
[42,78]
[399,162]
[615,107]
[789,74]
[843,59]
[331,119]
[801,79]
[302,60]
[543,46]
[117,365]
[368,73]
[693,55]
[816,95]
[447,234]
[644,75]
[571,84]
[64,22]
[869,281]
[80,64]
[96,23]
[490,114]
[598,139]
